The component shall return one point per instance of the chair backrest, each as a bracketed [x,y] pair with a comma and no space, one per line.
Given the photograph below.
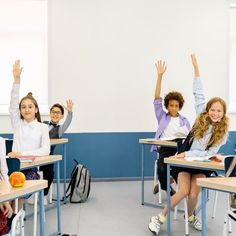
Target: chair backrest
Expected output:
[230,166]
[9,143]
[13,164]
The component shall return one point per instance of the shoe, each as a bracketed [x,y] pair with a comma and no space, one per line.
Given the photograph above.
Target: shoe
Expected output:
[155,224]
[195,222]
[155,189]
[233,200]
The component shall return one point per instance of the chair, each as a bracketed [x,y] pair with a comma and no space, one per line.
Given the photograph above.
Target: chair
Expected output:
[8,143]
[156,181]
[230,170]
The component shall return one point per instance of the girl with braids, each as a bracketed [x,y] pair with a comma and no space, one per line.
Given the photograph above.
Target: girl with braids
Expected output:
[209,133]
[30,135]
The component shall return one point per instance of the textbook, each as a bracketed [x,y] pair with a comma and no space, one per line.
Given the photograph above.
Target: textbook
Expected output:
[26,158]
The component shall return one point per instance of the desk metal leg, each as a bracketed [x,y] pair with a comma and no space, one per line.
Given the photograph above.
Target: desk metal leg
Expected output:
[64,171]
[168,201]
[58,200]
[204,200]
[42,213]
[142,176]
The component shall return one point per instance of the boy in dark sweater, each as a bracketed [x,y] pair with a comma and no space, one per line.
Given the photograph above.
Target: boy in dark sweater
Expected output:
[56,131]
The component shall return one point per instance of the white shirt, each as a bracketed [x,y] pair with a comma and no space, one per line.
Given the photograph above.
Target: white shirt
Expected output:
[30,138]
[3,163]
[174,130]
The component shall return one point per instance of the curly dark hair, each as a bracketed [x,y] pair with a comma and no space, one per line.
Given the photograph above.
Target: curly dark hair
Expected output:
[174,96]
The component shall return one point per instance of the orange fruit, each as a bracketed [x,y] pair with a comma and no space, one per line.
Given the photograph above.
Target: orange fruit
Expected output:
[17,179]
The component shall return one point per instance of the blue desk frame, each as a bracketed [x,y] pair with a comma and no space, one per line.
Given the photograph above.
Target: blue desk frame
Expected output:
[63,142]
[203,202]
[41,201]
[160,143]
[220,170]
[41,197]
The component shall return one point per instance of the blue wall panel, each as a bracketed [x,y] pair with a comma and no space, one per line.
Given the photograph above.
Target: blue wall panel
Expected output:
[115,155]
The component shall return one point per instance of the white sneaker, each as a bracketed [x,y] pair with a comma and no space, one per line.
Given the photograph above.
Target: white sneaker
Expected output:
[195,222]
[155,224]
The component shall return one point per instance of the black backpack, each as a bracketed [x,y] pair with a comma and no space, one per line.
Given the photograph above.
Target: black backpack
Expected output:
[79,187]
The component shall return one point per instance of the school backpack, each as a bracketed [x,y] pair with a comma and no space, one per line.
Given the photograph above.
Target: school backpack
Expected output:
[79,187]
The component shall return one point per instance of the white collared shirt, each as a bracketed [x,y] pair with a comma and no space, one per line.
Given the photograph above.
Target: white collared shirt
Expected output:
[30,138]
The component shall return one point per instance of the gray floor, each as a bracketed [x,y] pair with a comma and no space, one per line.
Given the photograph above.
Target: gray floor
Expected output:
[113,208]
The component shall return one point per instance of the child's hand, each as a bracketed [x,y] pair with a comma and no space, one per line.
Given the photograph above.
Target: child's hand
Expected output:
[161,67]
[6,209]
[14,154]
[180,155]
[69,105]
[17,71]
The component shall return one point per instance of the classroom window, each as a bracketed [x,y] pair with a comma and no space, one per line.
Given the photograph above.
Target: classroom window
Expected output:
[232,58]
[23,35]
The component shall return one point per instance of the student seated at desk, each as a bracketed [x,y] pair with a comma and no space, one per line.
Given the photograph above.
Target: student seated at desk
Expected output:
[6,212]
[56,131]
[171,125]
[209,133]
[30,135]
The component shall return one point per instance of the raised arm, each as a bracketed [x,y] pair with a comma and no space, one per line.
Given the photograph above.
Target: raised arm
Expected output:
[17,69]
[66,124]
[161,68]
[197,87]
[195,66]
[14,109]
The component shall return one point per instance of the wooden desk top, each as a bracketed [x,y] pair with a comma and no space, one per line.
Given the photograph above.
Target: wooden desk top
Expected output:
[7,192]
[158,142]
[206,165]
[56,141]
[39,161]
[227,184]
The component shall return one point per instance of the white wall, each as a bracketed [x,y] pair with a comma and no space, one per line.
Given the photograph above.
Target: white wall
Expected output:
[102,55]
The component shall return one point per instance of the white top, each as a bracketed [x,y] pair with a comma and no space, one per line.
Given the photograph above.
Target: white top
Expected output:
[174,130]
[30,138]
[3,163]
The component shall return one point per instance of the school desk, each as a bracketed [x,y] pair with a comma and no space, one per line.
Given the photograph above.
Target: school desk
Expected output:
[45,160]
[224,184]
[181,162]
[62,141]
[8,193]
[150,141]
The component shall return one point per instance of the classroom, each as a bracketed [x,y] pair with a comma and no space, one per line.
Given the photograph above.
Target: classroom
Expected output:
[101,55]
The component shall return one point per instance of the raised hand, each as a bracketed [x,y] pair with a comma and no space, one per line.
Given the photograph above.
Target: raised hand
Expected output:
[17,71]
[161,67]
[69,105]
[195,65]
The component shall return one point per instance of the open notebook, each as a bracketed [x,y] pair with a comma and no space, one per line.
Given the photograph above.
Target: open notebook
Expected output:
[217,158]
